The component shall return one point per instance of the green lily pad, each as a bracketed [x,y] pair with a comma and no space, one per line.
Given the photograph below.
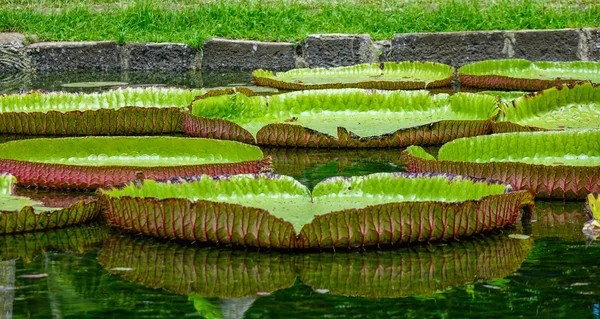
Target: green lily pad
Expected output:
[550,164]
[269,210]
[564,107]
[92,84]
[227,273]
[92,162]
[524,75]
[22,214]
[130,111]
[505,96]
[338,118]
[387,75]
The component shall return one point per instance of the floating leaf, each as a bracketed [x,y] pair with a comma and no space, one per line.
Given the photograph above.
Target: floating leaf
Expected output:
[92,84]
[518,236]
[130,111]
[93,162]
[347,117]
[558,165]
[388,76]
[557,108]
[21,214]
[381,209]
[518,74]
[593,205]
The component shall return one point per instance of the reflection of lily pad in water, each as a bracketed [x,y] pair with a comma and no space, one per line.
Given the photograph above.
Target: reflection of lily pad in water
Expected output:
[28,245]
[231,273]
[92,84]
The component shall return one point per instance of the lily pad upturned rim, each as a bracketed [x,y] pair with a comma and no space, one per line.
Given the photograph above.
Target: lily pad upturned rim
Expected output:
[29,219]
[494,79]
[555,181]
[535,104]
[129,111]
[268,78]
[144,214]
[86,177]
[466,114]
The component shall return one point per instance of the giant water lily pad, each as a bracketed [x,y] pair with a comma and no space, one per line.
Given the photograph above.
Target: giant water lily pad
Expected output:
[556,165]
[277,211]
[389,76]
[524,75]
[92,162]
[226,273]
[563,107]
[131,111]
[22,214]
[348,117]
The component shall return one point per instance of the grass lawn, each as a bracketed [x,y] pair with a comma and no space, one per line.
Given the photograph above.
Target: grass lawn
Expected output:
[192,22]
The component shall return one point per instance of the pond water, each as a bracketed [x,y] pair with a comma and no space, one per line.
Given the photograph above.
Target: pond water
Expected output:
[95,271]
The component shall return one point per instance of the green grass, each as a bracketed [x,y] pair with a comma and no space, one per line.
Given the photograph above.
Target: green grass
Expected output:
[192,22]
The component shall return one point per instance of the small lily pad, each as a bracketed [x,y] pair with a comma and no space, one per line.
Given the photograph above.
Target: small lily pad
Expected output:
[519,236]
[92,84]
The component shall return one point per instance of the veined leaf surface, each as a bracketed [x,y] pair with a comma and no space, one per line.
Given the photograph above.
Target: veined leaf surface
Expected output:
[92,162]
[340,212]
[352,117]
[550,164]
[518,74]
[131,111]
[565,107]
[22,214]
[387,75]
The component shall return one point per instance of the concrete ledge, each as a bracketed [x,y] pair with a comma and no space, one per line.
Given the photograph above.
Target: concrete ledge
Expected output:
[160,57]
[222,54]
[593,36]
[75,56]
[546,45]
[328,50]
[453,48]
[318,50]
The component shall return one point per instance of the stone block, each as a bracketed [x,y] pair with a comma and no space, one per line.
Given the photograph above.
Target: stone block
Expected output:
[384,50]
[223,54]
[547,45]
[75,56]
[12,53]
[593,44]
[453,48]
[161,57]
[332,50]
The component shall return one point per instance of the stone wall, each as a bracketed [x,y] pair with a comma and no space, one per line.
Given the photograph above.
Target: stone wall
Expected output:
[318,50]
